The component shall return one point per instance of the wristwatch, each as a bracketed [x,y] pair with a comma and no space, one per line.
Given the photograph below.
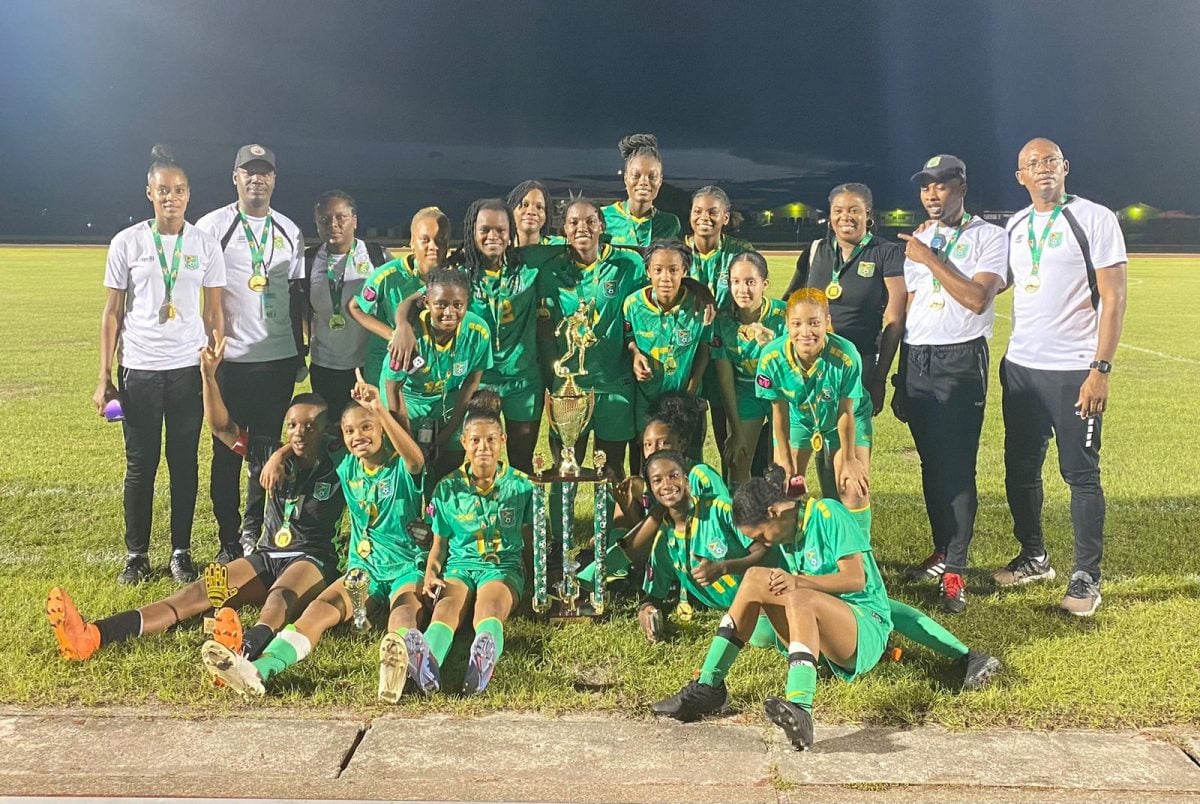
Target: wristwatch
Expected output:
[1102,366]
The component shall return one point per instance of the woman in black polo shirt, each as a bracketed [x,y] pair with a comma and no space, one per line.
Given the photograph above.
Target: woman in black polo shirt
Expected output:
[863,277]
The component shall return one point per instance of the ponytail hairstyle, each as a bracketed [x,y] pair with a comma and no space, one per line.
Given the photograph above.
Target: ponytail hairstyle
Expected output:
[484,406]
[680,412]
[753,499]
[863,192]
[665,455]
[632,145]
[582,199]
[716,192]
[161,159]
[517,194]
[469,257]
[754,258]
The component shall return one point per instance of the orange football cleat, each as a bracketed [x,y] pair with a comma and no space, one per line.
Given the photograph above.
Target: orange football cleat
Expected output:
[227,629]
[77,640]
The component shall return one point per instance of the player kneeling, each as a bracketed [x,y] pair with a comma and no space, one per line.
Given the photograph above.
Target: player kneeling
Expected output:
[381,476]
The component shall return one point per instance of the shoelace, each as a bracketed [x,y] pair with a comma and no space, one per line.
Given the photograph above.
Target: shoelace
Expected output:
[1079,587]
[952,585]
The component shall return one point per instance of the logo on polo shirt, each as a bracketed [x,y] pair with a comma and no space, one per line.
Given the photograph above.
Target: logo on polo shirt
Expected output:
[866,269]
[961,250]
[278,240]
[363,268]
[508,517]
[723,280]
[684,337]
[610,288]
[460,368]
[191,262]
[384,489]
[321,491]
[1056,239]
[717,548]
[810,556]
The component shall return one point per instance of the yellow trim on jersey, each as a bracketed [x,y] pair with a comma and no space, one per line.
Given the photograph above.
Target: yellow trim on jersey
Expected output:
[689,241]
[601,255]
[621,209]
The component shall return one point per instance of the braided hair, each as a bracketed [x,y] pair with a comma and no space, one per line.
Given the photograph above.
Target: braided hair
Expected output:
[517,194]
[469,257]
[665,455]
[632,145]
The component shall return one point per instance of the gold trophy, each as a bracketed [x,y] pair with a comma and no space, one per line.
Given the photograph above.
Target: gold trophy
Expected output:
[358,587]
[570,409]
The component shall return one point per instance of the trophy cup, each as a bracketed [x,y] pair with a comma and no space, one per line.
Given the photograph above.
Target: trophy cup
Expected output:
[569,410]
[358,587]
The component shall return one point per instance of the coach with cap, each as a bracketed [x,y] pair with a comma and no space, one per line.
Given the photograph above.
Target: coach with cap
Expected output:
[954,269]
[263,250]
[1068,262]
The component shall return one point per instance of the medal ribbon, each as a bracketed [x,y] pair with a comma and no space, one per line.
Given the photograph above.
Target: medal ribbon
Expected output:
[945,252]
[1036,248]
[294,486]
[170,274]
[839,267]
[337,282]
[257,249]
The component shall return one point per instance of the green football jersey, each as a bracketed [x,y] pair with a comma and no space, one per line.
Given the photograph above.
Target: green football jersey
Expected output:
[826,533]
[669,339]
[603,287]
[382,503]
[736,343]
[712,269]
[814,394]
[431,390]
[624,229]
[507,301]
[710,534]
[390,284]
[479,524]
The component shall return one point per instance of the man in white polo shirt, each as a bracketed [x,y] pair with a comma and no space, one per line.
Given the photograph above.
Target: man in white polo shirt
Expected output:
[953,269]
[263,251]
[1068,262]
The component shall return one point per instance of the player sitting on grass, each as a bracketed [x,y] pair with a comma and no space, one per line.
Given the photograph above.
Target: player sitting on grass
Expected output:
[382,478]
[288,568]
[482,515]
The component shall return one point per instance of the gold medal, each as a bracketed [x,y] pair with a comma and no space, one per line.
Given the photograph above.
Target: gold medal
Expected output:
[937,301]
[364,548]
[337,321]
[685,611]
[283,537]
[170,311]
[257,283]
[746,332]
[670,365]
[833,290]
[817,442]
[1033,283]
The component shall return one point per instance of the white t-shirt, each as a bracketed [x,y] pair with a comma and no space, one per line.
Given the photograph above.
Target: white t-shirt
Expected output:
[1057,326]
[258,326]
[347,347]
[148,341]
[982,248]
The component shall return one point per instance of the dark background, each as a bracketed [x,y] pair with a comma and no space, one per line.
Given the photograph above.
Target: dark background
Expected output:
[405,104]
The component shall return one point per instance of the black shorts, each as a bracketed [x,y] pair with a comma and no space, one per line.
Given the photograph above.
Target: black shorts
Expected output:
[268,568]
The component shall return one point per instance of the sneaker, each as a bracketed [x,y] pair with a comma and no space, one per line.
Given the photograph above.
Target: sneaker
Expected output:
[137,569]
[795,720]
[393,667]
[480,664]
[247,542]
[181,567]
[1024,569]
[650,618]
[953,596]
[929,569]
[981,668]
[236,672]
[227,629]
[77,640]
[422,666]
[1083,595]
[228,553]
[693,702]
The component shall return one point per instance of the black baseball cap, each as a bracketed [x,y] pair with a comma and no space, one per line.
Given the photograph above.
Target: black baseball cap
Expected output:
[942,167]
[253,153]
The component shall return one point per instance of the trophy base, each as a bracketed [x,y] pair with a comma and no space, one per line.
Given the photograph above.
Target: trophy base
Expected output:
[560,614]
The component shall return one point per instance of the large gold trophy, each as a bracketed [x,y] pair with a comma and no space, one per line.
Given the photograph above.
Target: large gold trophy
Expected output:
[570,410]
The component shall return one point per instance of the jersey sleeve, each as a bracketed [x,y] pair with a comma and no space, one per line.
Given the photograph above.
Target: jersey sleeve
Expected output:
[841,534]
[766,379]
[851,384]
[705,484]
[993,253]
[441,519]
[296,268]
[1107,241]
[481,352]
[116,265]
[718,344]
[660,571]
[627,316]
[368,298]
[214,268]
[892,261]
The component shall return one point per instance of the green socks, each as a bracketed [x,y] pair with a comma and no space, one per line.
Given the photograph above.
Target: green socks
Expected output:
[863,517]
[616,565]
[924,630]
[440,637]
[494,627]
[721,654]
[764,633]
[287,648]
[802,675]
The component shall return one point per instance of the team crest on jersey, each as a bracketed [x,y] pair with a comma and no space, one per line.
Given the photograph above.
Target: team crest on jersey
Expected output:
[508,517]
[191,262]
[961,250]
[717,549]
[278,241]
[460,368]
[1055,239]
[763,381]
[322,491]
[384,489]
[723,280]
[866,269]
[810,558]
[610,288]
[684,337]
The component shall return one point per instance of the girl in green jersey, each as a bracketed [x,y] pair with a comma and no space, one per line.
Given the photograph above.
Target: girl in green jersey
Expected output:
[381,478]
[530,204]
[635,222]
[740,333]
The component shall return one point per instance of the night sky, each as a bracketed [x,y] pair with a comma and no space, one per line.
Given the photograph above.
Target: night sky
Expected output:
[406,104]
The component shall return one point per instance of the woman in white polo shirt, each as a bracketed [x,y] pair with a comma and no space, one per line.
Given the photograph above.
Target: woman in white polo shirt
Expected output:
[953,271]
[154,326]
[335,271]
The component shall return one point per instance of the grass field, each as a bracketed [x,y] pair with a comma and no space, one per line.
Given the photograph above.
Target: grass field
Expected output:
[1137,663]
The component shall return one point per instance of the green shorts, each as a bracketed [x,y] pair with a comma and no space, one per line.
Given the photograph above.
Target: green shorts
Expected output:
[751,407]
[521,400]
[800,433]
[612,419]
[377,355]
[475,574]
[389,573]
[873,635]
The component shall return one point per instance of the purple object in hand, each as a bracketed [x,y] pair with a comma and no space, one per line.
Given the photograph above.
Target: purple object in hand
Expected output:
[113,412]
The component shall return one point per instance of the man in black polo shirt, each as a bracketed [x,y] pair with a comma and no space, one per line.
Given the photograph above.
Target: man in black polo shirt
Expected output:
[863,276]
[293,562]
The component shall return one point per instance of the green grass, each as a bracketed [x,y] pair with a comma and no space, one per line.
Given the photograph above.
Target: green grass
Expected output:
[1135,664]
